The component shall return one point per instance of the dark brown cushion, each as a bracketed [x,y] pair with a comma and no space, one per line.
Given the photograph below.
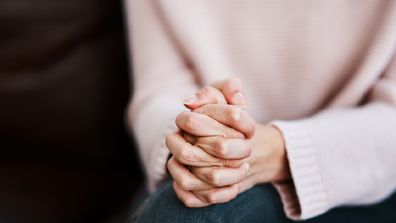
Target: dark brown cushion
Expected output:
[64,151]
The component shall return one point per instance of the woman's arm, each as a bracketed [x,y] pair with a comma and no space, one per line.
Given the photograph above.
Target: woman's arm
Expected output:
[162,80]
[344,156]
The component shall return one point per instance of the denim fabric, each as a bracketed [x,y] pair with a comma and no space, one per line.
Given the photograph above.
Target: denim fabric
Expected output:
[259,204]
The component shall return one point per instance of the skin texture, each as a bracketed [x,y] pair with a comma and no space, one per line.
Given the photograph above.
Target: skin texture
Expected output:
[220,151]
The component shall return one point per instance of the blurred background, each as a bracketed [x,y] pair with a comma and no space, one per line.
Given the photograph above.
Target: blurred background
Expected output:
[65,154]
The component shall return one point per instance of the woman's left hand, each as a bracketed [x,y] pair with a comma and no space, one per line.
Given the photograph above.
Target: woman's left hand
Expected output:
[263,149]
[267,161]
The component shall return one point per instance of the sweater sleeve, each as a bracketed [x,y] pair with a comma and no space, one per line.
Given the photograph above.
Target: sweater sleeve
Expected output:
[161,81]
[342,156]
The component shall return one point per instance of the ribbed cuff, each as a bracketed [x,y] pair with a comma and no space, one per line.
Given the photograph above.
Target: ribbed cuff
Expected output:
[305,196]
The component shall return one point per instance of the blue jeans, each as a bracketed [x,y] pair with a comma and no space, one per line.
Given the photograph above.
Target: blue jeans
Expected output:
[259,204]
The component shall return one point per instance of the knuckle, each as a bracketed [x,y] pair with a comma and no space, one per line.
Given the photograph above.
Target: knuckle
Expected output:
[229,111]
[186,156]
[185,184]
[189,202]
[211,94]
[211,198]
[205,92]
[233,114]
[169,164]
[190,122]
[168,140]
[180,117]
[221,148]
[207,89]
[214,177]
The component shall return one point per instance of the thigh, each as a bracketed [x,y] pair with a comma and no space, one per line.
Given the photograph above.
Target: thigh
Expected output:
[383,212]
[259,204]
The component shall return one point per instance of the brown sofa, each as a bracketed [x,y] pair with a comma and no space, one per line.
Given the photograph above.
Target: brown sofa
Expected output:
[65,155]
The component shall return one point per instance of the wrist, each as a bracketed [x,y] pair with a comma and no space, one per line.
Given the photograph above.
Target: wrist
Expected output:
[271,158]
[280,148]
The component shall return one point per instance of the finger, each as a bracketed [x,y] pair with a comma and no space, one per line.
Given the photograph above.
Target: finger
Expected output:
[247,183]
[184,178]
[190,138]
[202,125]
[218,195]
[188,154]
[232,91]
[207,95]
[188,198]
[224,148]
[221,176]
[230,115]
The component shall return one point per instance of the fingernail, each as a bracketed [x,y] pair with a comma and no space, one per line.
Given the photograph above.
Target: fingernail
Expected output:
[190,100]
[238,99]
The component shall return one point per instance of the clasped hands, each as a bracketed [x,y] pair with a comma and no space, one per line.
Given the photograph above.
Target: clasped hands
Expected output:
[220,151]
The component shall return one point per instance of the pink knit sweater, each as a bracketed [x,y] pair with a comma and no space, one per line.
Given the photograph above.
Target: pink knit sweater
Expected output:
[323,71]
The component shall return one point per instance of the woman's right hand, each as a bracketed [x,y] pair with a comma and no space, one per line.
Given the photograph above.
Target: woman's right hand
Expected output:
[209,174]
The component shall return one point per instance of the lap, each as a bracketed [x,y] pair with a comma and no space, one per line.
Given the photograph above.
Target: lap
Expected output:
[165,207]
[383,212]
[259,204]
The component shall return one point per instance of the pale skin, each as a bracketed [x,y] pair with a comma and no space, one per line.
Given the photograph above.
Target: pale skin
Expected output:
[220,151]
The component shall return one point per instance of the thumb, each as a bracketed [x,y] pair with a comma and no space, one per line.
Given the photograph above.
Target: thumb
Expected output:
[227,91]
[232,91]
[207,95]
